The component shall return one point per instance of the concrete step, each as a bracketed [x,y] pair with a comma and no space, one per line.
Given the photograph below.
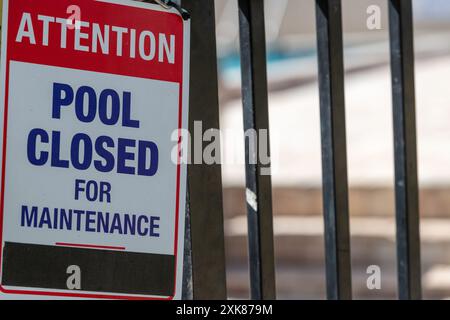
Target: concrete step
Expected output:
[363,201]
[308,283]
[299,241]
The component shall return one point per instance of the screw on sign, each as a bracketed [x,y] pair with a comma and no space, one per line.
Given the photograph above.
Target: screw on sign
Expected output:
[92,204]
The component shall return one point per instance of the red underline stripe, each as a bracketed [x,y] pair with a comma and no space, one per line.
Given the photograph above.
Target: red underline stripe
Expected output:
[78,245]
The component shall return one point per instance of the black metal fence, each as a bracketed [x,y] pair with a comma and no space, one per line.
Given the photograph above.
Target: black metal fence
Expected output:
[205,267]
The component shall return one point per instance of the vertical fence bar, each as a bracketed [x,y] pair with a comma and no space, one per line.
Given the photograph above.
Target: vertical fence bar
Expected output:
[188,290]
[205,181]
[334,154]
[256,124]
[406,181]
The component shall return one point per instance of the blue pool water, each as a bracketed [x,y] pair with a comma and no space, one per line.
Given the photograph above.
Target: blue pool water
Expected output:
[231,62]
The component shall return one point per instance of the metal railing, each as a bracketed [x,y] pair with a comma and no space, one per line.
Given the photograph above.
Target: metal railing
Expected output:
[205,270]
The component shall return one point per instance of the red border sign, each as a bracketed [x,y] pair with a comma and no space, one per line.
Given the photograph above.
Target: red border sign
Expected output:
[112,12]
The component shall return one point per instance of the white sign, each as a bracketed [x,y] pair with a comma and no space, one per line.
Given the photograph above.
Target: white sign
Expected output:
[92,204]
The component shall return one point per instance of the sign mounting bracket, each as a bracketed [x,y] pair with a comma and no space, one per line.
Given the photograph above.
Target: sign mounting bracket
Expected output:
[168,4]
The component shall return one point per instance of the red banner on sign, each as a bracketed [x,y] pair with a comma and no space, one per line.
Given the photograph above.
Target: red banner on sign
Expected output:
[138,43]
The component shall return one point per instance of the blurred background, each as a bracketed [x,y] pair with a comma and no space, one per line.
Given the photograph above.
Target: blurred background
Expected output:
[296,155]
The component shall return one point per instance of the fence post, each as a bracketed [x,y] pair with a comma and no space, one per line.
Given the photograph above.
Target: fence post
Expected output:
[205,181]
[187,291]
[406,181]
[334,149]
[258,176]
